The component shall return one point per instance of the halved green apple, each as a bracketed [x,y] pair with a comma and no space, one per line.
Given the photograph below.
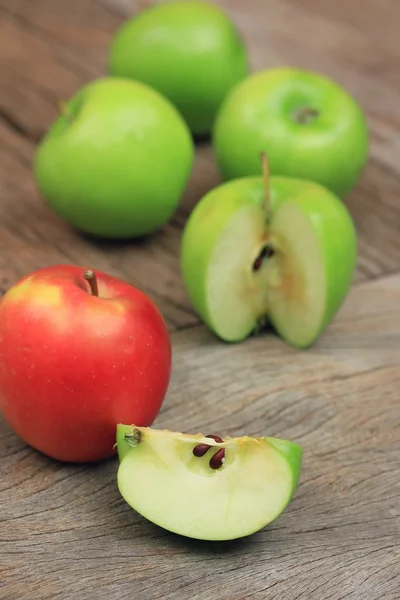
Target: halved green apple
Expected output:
[204,487]
[286,253]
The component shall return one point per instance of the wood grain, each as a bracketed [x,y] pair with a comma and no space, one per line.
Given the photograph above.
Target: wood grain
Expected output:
[65,532]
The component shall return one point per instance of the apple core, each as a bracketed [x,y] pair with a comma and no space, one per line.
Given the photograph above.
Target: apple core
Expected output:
[217,459]
[267,251]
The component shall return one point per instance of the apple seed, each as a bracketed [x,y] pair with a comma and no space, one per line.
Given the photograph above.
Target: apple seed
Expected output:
[218,459]
[216,438]
[201,450]
[266,252]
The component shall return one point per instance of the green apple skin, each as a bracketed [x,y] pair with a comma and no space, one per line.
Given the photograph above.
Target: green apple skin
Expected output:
[123,445]
[328,216]
[191,52]
[116,162]
[260,115]
[294,455]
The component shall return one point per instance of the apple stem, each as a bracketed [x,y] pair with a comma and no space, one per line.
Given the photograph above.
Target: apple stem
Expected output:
[63,109]
[265,171]
[91,278]
[305,115]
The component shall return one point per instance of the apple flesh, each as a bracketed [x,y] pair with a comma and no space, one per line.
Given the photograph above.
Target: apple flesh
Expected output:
[73,364]
[205,487]
[191,52]
[308,125]
[293,267]
[107,165]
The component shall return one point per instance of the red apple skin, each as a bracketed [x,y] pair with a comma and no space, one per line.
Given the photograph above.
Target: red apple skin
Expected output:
[73,365]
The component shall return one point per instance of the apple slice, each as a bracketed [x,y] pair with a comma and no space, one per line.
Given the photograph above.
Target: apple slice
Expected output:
[204,487]
[278,249]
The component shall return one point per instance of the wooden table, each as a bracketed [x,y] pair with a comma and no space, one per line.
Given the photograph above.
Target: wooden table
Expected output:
[65,531]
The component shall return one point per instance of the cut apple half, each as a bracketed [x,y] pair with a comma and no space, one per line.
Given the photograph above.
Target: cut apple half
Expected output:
[268,249]
[204,487]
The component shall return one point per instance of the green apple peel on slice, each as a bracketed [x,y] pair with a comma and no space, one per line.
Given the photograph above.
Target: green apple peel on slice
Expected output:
[160,477]
[309,241]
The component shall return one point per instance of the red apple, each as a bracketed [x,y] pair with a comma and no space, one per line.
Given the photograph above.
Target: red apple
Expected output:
[80,353]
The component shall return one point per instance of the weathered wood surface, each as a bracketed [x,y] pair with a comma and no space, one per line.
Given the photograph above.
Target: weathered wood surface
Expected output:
[64,531]
[68,534]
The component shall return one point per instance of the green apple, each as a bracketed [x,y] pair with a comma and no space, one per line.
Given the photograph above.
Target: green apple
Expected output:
[191,52]
[308,125]
[204,487]
[287,256]
[116,161]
